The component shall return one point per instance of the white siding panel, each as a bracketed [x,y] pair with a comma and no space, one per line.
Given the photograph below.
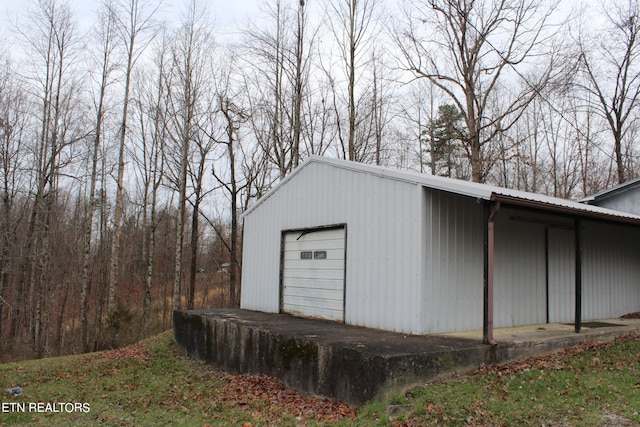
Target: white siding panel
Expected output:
[382,218]
[520,274]
[562,277]
[260,282]
[628,201]
[611,270]
[453,262]
[382,255]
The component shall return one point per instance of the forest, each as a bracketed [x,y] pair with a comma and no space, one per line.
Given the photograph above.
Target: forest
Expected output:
[131,145]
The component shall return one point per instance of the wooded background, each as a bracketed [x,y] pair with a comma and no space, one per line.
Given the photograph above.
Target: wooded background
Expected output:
[129,151]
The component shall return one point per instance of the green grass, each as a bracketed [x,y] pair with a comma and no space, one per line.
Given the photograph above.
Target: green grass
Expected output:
[592,385]
[153,384]
[149,384]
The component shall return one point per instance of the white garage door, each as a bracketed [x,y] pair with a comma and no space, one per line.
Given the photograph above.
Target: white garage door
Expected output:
[313,273]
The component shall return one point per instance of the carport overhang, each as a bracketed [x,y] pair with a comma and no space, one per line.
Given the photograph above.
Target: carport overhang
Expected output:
[577,212]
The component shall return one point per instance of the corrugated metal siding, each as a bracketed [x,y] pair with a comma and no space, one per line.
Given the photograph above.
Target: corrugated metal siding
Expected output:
[562,275]
[453,267]
[629,201]
[261,265]
[383,223]
[452,247]
[394,226]
[453,262]
[611,270]
[520,279]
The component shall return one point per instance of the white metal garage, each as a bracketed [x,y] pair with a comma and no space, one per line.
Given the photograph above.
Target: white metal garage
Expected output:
[313,273]
[427,254]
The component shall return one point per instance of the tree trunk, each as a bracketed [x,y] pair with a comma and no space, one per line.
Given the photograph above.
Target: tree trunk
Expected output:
[351,73]
[193,266]
[106,32]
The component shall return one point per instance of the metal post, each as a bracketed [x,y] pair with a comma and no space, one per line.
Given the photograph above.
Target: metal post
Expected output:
[485,295]
[578,250]
[489,260]
[546,270]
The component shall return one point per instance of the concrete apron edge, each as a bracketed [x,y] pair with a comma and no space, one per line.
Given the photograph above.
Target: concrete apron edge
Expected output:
[352,374]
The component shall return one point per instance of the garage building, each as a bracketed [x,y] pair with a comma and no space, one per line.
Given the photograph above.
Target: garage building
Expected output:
[415,253]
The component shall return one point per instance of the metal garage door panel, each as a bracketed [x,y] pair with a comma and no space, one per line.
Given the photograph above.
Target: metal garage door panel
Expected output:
[336,242]
[334,261]
[300,298]
[314,273]
[313,282]
[333,255]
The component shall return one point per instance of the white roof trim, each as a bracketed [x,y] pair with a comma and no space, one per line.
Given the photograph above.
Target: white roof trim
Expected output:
[465,188]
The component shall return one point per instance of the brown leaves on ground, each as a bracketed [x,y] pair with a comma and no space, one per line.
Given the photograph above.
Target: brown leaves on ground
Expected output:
[635,315]
[136,352]
[556,360]
[266,399]
[247,389]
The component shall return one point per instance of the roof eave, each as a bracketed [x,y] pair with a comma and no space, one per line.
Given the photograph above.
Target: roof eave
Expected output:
[610,192]
[566,210]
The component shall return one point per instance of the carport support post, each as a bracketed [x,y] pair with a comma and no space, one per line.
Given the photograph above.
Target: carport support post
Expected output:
[490,212]
[578,250]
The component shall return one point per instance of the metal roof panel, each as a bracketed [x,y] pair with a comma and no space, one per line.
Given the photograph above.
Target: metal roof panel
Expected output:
[467,188]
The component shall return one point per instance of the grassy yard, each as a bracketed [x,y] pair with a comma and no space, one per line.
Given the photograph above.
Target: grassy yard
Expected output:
[152,383]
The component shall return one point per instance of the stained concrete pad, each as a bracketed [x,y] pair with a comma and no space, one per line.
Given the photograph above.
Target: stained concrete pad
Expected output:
[355,364]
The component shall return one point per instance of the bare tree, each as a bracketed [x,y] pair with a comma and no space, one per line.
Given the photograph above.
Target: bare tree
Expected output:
[589,139]
[277,73]
[104,62]
[372,141]
[134,21]
[204,146]
[319,122]
[416,112]
[469,49]
[233,117]
[190,63]
[229,115]
[13,126]
[611,62]
[52,40]
[353,23]
[530,156]
[152,99]
[300,77]
[378,114]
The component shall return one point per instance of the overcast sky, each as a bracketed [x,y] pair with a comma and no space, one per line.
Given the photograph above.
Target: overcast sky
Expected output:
[225,12]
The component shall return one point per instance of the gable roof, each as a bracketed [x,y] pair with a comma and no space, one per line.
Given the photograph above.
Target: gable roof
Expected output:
[610,192]
[466,188]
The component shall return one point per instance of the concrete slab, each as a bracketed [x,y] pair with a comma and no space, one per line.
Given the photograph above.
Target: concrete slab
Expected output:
[354,364]
[552,331]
